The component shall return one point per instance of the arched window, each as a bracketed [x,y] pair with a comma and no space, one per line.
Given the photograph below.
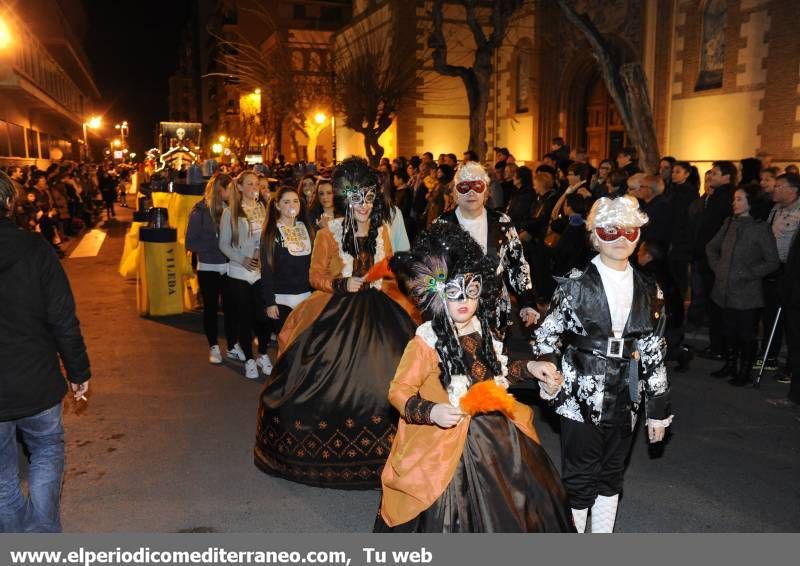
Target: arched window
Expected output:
[522,78]
[712,45]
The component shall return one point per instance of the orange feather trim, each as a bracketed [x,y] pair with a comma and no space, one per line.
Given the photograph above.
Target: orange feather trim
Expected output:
[486,397]
[379,271]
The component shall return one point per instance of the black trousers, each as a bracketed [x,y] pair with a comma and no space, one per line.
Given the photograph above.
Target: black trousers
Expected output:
[679,271]
[701,299]
[772,293]
[592,460]
[739,328]
[214,286]
[251,315]
[792,317]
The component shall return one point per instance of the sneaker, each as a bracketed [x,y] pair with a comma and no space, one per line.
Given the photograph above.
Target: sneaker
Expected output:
[771,365]
[236,353]
[214,355]
[784,378]
[251,369]
[264,363]
[785,402]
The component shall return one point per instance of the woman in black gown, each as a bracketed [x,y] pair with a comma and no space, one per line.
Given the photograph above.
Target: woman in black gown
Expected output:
[323,417]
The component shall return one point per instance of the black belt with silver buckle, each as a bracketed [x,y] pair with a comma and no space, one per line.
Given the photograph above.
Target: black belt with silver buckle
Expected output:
[619,348]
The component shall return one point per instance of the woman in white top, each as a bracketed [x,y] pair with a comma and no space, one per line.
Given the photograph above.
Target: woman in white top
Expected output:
[239,236]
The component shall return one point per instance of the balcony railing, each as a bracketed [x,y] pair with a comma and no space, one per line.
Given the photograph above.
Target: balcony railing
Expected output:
[33,62]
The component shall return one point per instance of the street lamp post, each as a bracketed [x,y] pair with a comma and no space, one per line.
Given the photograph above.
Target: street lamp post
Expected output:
[93,123]
[123,129]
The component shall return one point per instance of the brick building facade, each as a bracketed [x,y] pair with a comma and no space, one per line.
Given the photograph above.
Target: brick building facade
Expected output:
[723,77]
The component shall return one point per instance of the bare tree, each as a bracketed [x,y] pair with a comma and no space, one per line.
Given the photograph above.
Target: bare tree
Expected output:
[372,80]
[244,133]
[477,78]
[627,86]
[287,92]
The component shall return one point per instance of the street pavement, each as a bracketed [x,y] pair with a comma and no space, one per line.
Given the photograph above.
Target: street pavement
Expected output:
[164,443]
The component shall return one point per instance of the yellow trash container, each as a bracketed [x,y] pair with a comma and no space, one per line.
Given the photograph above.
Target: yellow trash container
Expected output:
[129,259]
[159,282]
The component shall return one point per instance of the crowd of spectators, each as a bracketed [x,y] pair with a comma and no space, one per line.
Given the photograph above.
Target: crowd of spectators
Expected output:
[67,197]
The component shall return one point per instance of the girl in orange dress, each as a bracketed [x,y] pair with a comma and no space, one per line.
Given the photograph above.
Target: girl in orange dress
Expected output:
[323,417]
[466,457]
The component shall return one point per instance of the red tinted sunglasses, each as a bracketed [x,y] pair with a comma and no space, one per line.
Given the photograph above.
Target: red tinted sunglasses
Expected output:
[614,233]
[465,187]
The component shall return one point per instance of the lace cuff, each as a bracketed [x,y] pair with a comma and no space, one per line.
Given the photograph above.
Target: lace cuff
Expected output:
[545,395]
[418,410]
[662,422]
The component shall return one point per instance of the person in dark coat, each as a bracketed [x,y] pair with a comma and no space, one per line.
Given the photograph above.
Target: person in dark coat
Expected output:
[741,254]
[627,161]
[716,208]
[763,206]
[650,192]
[790,301]
[665,166]
[571,251]
[40,333]
[598,185]
[521,201]
[651,258]
[684,192]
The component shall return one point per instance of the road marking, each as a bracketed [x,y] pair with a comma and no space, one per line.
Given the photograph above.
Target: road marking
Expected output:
[89,245]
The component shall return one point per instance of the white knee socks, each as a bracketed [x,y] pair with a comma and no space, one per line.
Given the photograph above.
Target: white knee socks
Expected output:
[604,514]
[579,516]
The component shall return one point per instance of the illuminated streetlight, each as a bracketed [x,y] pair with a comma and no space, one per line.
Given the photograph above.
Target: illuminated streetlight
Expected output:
[117,143]
[222,139]
[257,91]
[5,34]
[320,118]
[94,122]
[216,148]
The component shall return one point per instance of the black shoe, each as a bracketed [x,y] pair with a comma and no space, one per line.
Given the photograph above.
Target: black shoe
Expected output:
[710,354]
[728,370]
[740,380]
[784,378]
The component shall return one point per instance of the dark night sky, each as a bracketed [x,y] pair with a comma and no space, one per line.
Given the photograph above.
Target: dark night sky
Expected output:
[133,52]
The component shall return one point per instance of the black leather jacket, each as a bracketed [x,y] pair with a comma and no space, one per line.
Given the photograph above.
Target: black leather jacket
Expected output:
[596,386]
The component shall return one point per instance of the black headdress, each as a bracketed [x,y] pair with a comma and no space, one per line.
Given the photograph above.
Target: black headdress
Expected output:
[441,254]
[352,178]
